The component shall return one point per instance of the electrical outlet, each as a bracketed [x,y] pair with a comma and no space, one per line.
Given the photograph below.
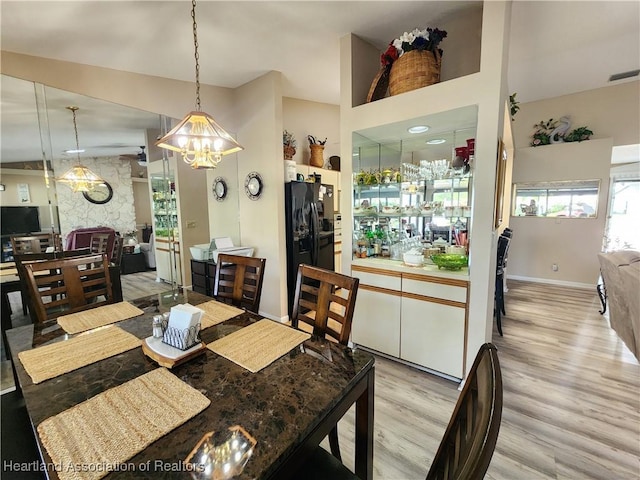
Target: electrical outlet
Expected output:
[554,267]
[191,224]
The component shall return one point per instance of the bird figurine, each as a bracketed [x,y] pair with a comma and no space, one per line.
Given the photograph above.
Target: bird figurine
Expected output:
[558,133]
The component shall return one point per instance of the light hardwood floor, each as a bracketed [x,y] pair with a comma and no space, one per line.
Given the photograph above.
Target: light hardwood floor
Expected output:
[571,395]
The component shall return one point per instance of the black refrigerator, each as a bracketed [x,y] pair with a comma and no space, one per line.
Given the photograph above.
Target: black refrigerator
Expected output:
[309,223]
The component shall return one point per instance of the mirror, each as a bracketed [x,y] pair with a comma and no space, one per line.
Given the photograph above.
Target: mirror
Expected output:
[36,125]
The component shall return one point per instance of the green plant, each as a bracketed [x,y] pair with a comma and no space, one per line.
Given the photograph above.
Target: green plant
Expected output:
[542,134]
[578,135]
[514,105]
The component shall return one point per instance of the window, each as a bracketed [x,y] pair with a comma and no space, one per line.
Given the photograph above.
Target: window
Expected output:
[569,199]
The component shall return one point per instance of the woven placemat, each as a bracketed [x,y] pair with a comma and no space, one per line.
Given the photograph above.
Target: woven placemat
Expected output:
[115,425]
[98,317]
[49,361]
[216,312]
[258,345]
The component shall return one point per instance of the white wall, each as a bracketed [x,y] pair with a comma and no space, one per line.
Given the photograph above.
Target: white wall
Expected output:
[302,118]
[613,114]
[571,243]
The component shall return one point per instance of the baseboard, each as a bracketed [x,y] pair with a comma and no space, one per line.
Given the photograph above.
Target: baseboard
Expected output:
[560,283]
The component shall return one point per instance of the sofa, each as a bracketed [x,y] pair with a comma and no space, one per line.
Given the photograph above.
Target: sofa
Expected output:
[149,252]
[620,272]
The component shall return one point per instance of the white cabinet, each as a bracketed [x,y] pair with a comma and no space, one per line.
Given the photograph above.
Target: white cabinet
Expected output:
[418,317]
[432,335]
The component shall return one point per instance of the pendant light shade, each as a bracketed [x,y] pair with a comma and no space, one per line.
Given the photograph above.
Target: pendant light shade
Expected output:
[79,178]
[198,138]
[200,141]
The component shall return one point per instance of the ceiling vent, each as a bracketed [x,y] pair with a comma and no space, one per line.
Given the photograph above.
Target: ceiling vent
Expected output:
[623,75]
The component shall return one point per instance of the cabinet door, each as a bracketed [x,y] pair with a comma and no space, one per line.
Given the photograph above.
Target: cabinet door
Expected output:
[433,335]
[376,321]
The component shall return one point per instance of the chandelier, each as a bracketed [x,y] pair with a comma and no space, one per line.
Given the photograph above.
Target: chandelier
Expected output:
[198,138]
[79,178]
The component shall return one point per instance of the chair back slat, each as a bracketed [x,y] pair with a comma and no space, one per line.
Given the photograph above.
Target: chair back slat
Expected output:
[322,295]
[36,243]
[471,436]
[68,285]
[22,259]
[238,281]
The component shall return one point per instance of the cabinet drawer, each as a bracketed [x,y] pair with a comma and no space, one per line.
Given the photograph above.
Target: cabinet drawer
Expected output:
[198,267]
[211,270]
[432,289]
[199,281]
[390,281]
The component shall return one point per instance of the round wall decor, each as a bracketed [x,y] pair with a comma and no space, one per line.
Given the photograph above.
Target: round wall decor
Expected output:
[101,194]
[253,185]
[219,189]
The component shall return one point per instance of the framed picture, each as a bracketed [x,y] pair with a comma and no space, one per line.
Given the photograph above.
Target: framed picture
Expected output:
[23,193]
[501,169]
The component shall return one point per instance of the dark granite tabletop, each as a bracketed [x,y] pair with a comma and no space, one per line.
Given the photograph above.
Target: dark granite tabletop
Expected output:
[279,406]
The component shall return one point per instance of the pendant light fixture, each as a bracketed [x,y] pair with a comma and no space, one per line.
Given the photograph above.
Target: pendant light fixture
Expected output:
[79,178]
[198,138]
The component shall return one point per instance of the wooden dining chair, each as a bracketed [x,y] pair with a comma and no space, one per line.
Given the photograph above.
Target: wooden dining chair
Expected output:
[469,441]
[22,259]
[238,281]
[36,243]
[100,243]
[118,247]
[325,300]
[69,285]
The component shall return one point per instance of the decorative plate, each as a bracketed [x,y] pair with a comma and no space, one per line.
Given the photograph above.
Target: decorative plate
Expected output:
[219,189]
[253,185]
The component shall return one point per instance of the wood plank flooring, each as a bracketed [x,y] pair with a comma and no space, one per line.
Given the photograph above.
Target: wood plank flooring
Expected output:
[571,397]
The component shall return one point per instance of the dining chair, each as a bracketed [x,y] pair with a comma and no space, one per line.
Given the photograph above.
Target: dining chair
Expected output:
[100,243]
[503,250]
[36,243]
[22,259]
[118,247]
[238,281]
[69,285]
[469,441]
[325,300]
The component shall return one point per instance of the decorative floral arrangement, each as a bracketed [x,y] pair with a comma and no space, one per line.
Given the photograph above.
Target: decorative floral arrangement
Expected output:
[130,233]
[427,39]
[288,140]
[289,145]
[549,132]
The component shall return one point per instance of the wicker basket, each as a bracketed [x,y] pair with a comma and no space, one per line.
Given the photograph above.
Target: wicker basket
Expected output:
[414,69]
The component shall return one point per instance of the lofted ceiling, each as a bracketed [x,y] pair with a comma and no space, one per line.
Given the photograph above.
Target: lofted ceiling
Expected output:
[556,48]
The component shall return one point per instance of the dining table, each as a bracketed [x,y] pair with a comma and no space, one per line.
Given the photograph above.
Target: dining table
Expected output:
[288,406]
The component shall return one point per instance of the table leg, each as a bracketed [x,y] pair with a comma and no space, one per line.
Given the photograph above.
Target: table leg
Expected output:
[364,430]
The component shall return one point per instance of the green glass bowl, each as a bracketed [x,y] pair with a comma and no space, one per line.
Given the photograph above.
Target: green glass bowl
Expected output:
[450,261]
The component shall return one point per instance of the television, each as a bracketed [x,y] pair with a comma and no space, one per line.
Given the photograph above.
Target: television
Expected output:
[19,220]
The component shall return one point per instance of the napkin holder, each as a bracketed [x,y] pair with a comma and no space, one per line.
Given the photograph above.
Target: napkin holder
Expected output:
[180,339]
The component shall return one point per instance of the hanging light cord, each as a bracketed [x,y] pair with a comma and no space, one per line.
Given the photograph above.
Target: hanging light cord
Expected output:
[75,129]
[197,57]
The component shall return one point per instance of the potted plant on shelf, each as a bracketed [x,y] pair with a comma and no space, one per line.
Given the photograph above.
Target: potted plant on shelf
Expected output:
[289,145]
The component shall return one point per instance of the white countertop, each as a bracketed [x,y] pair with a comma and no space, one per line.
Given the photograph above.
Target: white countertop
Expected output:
[399,266]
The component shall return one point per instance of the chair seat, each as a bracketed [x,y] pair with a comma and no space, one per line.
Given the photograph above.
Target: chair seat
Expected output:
[321,465]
